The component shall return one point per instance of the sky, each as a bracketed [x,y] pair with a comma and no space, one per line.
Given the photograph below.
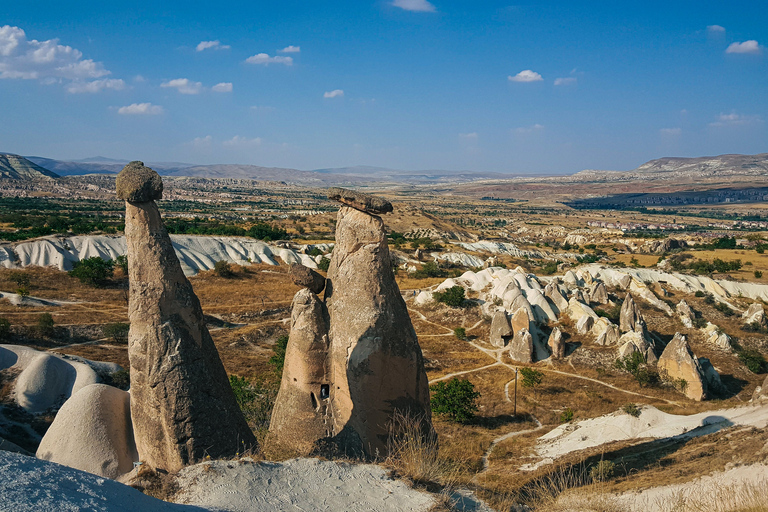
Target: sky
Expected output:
[527,88]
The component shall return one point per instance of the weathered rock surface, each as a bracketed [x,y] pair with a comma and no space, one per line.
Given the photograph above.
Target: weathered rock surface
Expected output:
[556,343]
[607,332]
[761,392]
[359,200]
[633,341]
[685,313]
[520,320]
[376,364]
[501,331]
[717,338]
[584,325]
[521,348]
[306,278]
[678,362]
[553,293]
[182,405]
[300,416]
[630,318]
[138,184]
[755,314]
[598,293]
[92,432]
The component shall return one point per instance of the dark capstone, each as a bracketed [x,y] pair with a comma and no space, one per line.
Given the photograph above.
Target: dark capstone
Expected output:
[360,201]
[307,278]
[138,184]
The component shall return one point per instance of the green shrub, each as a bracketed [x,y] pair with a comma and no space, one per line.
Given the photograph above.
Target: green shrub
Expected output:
[724,309]
[699,293]
[120,379]
[324,264]
[5,329]
[758,274]
[117,331]
[632,410]
[531,378]
[315,252]
[93,271]
[20,278]
[453,296]
[752,359]
[22,291]
[460,333]
[635,365]
[566,415]
[278,358]
[429,269]
[122,262]
[602,471]
[549,268]
[455,399]
[222,269]
[255,399]
[45,325]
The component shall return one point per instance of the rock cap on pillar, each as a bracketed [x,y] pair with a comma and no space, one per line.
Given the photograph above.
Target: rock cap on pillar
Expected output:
[138,184]
[360,201]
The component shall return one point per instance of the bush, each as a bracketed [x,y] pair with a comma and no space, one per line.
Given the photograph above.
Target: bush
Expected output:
[752,359]
[122,263]
[20,278]
[117,331]
[456,399]
[635,365]
[45,324]
[278,359]
[429,269]
[223,269]
[5,329]
[549,268]
[531,378]
[453,296]
[255,400]
[93,271]
[632,410]
[460,333]
[324,264]
[758,274]
[120,379]
[699,293]
[602,471]
[724,309]
[566,415]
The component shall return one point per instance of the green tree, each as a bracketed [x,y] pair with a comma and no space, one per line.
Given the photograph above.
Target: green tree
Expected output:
[5,329]
[453,296]
[122,263]
[460,333]
[455,399]
[222,269]
[531,378]
[93,271]
[324,264]
[118,331]
[45,325]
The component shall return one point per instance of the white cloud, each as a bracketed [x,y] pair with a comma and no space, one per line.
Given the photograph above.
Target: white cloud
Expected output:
[146,109]
[96,86]
[263,58]
[184,85]
[238,141]
[202,142]
[415,5]
[670,132]
[213,45]
[750,46]
[715,29]
[734,119]
[29,59]
[525,76]
[222,87]
[468,136]
[565,81]
[290,49]
[336,93]
[529,129]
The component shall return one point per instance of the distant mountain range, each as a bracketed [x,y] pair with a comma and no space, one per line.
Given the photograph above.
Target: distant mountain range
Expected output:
[722,166]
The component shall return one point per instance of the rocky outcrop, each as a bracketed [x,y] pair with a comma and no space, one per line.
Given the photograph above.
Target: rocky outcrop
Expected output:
[630,318]
[584,325]
[360,201]
[685,313]
[717,338]
[92,432]
[521,348]
[376,366]
[680,366]
[306,278]
[636,342]
[300,416]
[501,331]
[761,392]
[598,293]
[755,315]
[553,293]
[182,405]
[607,332]
[556,343]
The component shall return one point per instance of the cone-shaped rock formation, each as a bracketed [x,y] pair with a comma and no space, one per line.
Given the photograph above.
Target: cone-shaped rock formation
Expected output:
[182,405]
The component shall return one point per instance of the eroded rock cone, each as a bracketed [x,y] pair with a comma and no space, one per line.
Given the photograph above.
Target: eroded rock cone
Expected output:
[556,343]
[630,318]
[376,364]
[501,331]
[521,347]
[685,313]
[182,405]
[300,417]
[679,365]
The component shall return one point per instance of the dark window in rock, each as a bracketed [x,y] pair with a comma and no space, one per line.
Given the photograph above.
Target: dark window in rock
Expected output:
[325,391]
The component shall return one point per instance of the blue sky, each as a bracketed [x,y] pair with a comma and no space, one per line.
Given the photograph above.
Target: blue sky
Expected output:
[537,87]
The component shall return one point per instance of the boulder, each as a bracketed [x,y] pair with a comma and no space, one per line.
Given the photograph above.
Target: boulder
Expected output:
[584,325]
[685,313]
[633,341]
[630,318]
[755,314]
[301,415]
[717,338]
[360,201]
[607,332]
[542,309]
[677,363]
[521,303]
[521,349]
[182,405]
[375,361]
[423,297]
[556,343]
[625,281]
[501,331]
[92,432]
[306,278]
[577,309]
[598,293]
[138,184]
